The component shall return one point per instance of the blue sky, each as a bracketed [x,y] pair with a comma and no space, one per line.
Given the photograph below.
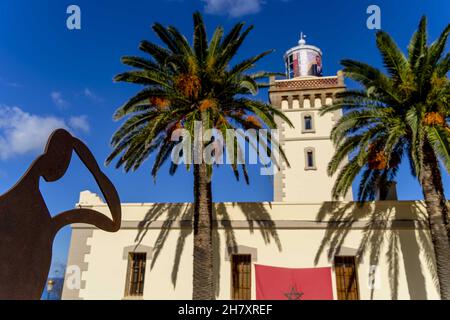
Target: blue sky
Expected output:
[52,77]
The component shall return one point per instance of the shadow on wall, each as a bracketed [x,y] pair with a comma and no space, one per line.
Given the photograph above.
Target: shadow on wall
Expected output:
[379,218]
[180,217]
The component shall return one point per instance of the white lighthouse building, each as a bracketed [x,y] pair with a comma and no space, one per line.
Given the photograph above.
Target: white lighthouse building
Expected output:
[381,250]
[308,145]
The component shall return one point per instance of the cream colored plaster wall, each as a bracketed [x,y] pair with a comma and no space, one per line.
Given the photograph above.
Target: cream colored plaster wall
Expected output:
[322,124]
[305,185]
[105,278]
[298,235]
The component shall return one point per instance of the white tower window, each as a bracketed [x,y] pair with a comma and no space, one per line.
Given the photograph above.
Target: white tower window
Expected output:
[308,123]
[310,159]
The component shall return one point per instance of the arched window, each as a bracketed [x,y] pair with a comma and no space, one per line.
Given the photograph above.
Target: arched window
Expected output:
[310,159]
[308,123]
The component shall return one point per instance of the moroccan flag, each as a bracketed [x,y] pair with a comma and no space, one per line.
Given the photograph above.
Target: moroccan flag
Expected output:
[274,283]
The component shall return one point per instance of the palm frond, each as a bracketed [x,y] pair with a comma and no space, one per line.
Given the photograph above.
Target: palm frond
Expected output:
[200,41]
[220,99]
[394,60]
[417,45]
[440,140]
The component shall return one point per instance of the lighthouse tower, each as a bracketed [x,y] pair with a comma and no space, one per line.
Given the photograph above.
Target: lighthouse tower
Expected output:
[308,145]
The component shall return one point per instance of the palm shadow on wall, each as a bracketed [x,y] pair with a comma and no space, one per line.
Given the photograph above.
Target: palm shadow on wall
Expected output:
[180,216]
[377,217]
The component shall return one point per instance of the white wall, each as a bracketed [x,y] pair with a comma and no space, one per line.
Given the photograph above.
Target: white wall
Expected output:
[302,185]
[106,273]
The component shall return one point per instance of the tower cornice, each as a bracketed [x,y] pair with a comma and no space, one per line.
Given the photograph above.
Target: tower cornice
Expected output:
[295,84]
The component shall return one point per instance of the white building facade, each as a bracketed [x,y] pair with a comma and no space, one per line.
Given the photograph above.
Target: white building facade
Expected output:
[381,250]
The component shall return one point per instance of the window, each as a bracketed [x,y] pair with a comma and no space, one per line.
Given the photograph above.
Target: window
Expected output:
[290,63]
[241,274]
[308,123]
[346,278]
[310,159]
[135,274]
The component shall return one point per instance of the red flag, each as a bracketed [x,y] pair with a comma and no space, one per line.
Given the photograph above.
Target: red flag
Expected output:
[274,283]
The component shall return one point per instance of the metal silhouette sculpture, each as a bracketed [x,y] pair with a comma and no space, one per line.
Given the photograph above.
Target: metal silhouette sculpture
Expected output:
[27,229]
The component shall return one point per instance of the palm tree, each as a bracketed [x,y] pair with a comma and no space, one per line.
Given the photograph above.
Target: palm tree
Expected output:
[185,85]
[402,113]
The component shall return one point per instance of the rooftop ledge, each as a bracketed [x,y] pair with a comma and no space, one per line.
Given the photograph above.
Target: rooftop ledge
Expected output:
[90,199]
[279,215]
[305,83]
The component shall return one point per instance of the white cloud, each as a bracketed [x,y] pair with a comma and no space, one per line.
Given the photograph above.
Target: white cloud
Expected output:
[24,133]
[58,99]
[92,96]
[80,123]
[232,8]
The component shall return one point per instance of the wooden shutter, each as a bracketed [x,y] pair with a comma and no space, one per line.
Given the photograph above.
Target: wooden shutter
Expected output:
[136,274]
[346,278]
[241,274]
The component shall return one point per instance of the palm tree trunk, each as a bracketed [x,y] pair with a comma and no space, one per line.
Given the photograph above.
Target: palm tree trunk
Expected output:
[433,192]
[203,288]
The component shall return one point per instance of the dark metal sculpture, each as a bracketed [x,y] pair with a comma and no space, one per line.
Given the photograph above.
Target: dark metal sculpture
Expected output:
[27,229]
